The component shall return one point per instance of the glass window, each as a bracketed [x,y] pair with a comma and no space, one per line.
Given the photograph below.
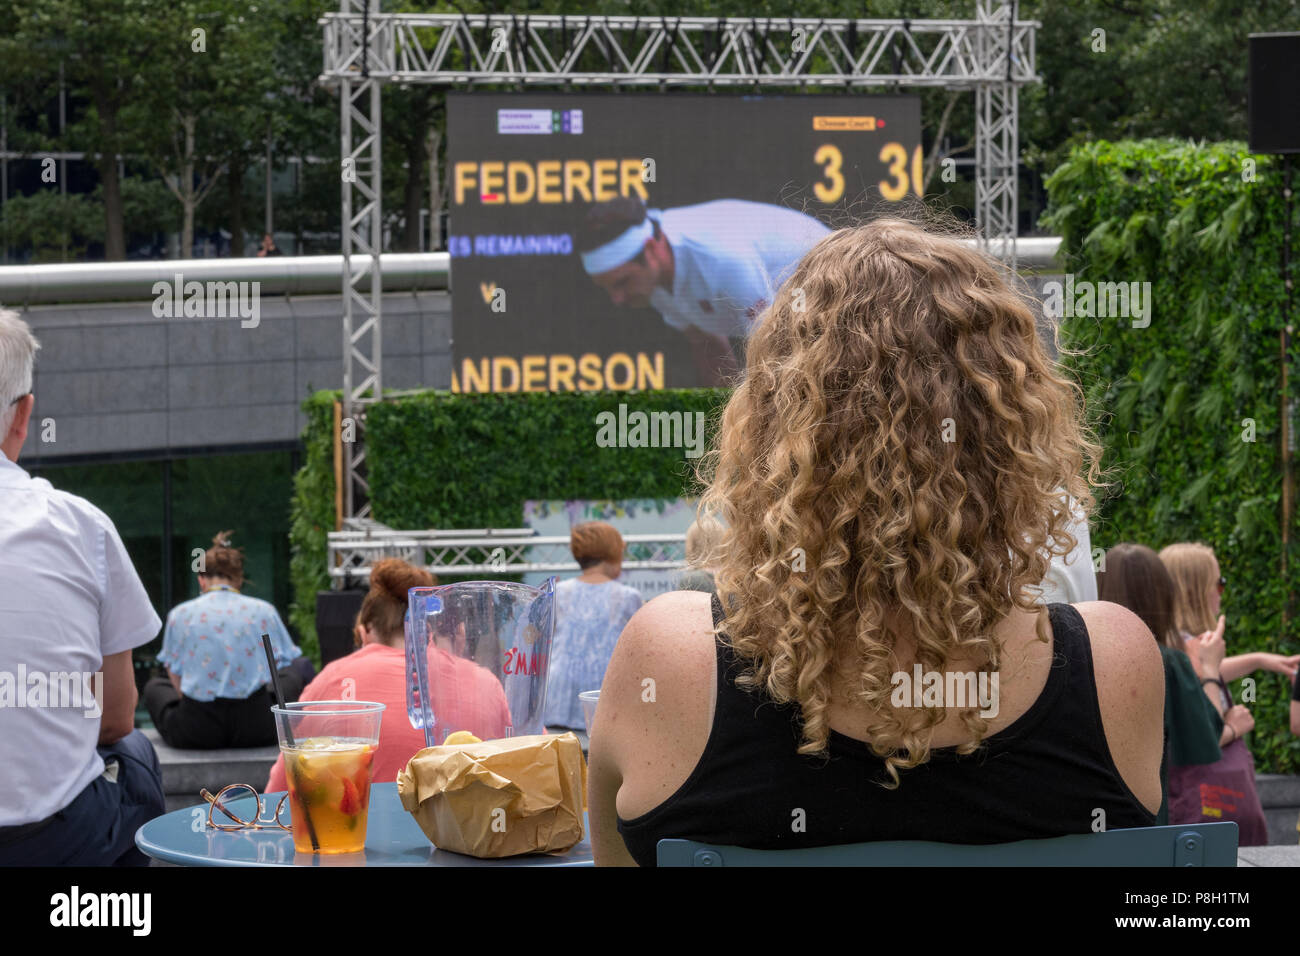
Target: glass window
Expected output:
[131,494]
[246,494]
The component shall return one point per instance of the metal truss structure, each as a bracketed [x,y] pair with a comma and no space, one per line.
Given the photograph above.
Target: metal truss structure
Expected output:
[992,55]
[352,552]
[358,39]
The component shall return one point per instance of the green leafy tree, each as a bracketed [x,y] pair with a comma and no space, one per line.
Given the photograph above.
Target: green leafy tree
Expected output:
[53,225]
[209,92]
[304,122]
[103,45]
[1141,68]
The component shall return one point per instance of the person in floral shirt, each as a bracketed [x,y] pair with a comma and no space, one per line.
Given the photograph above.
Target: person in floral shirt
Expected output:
[216,693]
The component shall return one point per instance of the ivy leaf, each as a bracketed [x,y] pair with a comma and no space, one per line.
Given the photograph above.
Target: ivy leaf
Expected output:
[1182,225]
[1194,494]
[1153,378]
[1210,406]
[1174,403]
[1199,312]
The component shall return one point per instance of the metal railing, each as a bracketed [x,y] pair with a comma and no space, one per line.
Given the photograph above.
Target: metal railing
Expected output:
[353,552]
[276,275]
[283,275]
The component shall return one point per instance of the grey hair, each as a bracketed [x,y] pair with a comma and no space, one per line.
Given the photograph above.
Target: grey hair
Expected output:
[17,357]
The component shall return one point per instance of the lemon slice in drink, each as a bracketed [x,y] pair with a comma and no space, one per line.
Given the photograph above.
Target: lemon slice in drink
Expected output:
[461,737]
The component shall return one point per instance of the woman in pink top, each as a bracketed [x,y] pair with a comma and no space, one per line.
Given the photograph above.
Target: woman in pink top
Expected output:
[465,695]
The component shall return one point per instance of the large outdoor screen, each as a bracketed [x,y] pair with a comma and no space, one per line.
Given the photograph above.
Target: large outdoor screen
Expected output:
[628,241]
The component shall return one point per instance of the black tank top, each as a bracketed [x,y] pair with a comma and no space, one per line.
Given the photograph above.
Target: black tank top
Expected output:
[1045,775]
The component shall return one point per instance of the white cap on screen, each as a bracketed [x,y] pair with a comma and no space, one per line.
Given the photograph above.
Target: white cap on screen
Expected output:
[622,248]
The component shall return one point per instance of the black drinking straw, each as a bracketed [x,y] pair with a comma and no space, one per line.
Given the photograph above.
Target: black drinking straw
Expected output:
[288,731]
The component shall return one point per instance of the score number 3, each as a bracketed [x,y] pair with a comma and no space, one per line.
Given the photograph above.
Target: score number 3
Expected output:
[893,155]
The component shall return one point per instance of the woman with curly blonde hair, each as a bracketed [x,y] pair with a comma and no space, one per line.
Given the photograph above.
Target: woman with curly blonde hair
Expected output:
[895,472]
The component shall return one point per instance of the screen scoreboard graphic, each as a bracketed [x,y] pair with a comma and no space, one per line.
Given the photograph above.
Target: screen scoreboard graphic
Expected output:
[633,241]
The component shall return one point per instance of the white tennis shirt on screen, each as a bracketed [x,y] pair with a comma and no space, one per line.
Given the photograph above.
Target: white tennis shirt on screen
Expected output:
[729,257]
[69,597]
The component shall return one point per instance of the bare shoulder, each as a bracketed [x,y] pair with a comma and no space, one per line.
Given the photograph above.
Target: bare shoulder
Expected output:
[1120,639]
[656,703]
[665,640]
[1130,678]
[1125,655]
[675,614]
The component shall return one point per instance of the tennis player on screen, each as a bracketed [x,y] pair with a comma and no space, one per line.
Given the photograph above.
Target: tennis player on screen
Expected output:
[708,269]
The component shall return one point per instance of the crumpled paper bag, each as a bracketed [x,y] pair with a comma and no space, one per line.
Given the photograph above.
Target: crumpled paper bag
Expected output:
[499,798]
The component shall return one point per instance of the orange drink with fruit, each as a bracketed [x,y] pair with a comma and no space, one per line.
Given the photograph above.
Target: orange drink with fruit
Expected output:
[329,782]
[329,751]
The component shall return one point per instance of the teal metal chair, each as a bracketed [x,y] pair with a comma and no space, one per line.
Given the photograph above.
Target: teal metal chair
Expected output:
[1202,844]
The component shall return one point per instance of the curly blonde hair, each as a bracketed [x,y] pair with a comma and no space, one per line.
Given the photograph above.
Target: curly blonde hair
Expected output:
[897,460]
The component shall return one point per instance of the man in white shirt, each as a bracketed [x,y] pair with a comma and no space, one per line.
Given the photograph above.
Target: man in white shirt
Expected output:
[1071,578]
[78,779]
[709,269]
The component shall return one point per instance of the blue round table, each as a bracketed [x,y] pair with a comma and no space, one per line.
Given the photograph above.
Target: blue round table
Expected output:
[393,838]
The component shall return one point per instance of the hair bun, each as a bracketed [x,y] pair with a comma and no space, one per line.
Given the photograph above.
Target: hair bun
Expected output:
[394,577]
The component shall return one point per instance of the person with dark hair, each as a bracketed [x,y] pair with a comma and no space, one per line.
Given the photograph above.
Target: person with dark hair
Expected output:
[268,247]
[710,269]
[1136,578]
[591,611]
[893,473]
[464,695]
[217,690]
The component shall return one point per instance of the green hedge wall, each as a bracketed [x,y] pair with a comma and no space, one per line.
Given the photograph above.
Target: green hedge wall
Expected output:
[311,518]
[1173,401]
[442,460]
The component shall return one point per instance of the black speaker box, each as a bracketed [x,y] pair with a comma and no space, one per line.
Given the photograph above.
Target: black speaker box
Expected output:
[1275,92]
[336,612]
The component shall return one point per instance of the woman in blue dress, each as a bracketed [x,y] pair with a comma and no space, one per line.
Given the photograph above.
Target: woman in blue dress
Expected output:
[590,613]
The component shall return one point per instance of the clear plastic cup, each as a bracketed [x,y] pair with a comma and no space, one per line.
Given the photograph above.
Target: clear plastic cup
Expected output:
[588,700]
[329,749]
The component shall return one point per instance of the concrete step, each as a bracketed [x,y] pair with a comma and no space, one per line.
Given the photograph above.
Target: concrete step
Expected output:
[1279,795]
[186,772]
[1268,856]
[1278,789]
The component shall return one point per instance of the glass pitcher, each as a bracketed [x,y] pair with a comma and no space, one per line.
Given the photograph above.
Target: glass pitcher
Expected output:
[476,658]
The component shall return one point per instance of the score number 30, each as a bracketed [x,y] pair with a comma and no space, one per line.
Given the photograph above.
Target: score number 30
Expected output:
[892,155]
